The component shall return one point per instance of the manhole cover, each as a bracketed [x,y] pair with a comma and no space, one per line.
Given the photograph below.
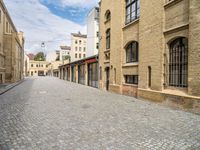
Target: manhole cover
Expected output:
[86,106]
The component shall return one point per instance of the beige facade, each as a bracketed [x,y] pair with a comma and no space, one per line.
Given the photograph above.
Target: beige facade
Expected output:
[165,36]
[11,49]
[53,68]
[38,68]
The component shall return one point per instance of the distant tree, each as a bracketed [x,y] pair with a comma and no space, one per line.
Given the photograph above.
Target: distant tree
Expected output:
[40,57]
[66,57]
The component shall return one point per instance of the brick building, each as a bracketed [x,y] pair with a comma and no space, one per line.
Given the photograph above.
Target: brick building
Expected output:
[11,48]
[150,50]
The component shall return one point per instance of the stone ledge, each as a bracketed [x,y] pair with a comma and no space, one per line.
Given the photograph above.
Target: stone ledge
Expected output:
[171,3]
[174,100]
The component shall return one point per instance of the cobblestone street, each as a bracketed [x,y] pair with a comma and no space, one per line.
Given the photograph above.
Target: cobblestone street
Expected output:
[50,114]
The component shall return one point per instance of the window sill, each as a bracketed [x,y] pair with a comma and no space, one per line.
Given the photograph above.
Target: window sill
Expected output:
[171,3]
[133,85]
[2,54]
[130,64]
[106,61]
[107,51]
[107,21]
[131,23]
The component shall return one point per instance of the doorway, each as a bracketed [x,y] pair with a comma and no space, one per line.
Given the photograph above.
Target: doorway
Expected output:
[1,78]
[107,78]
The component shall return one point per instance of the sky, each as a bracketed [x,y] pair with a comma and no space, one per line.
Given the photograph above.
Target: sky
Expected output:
[49,21]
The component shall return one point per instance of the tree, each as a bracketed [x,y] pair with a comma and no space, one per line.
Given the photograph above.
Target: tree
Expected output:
[66,57]
[40,57]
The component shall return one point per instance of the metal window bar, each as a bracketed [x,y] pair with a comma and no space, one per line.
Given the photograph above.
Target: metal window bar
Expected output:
[178,66]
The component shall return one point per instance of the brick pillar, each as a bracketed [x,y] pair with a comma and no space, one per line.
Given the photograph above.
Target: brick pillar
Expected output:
[194,48]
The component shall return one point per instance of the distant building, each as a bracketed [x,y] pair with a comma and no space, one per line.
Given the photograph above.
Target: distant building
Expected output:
[64,52]
[11,48]
[78,46]
[93,32]
[31,56]
[26,65]
[38,68]
[53,68]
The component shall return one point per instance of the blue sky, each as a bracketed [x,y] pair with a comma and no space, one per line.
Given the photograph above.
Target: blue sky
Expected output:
[49,21]
[74,13]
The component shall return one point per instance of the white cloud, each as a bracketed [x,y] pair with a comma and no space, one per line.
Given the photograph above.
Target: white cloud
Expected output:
[39,24]
[75,3]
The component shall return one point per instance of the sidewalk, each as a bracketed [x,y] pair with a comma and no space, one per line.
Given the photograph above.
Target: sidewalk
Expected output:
[7,86]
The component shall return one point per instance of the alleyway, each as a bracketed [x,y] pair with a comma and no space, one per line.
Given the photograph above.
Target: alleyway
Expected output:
[50,114]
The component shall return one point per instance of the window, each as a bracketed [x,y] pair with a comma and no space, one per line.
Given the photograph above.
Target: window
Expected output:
[178,63]
[80,42]
[31,65]
[7,27]
[149,76]
[97,34]
[131,79]
[97,46]
[79,55]
[132,10]
[36,65]
[76,42]
[132,52]
[76,55]
[108,39]
[83,55]
[84,49]
[80,49]
[0,16]
[76,48]
[108,15]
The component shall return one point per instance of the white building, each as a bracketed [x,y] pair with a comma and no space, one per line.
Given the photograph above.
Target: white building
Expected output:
[78,46]
[92,32]
[64,52]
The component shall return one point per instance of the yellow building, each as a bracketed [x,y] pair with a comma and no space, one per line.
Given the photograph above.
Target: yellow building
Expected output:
[11,48]
[150,50]
[53,68]
[37,68]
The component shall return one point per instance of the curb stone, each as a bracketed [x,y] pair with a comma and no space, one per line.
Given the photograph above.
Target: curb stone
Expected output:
[10,86]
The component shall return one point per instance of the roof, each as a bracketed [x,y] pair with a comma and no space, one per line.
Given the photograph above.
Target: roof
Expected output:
[31,56]
[79,35]
[81,60]
[65,47]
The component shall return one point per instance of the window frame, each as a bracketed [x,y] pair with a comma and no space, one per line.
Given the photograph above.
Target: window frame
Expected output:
[133,79]
[130,57]
[178,63]
[129,10]
[108,38]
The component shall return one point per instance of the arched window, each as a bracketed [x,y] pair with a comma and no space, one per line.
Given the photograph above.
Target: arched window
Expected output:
[107,15]
[132,52]
[108,39]
[178,62]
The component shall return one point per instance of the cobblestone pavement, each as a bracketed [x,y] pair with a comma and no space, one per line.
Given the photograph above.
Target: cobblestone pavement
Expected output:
[50,114]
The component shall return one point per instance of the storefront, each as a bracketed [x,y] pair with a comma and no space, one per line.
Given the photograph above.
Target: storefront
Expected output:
[81,74]
[73,73]
[68,73]
[93,74]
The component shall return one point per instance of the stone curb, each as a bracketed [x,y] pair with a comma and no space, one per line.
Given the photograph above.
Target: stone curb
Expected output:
[9,87]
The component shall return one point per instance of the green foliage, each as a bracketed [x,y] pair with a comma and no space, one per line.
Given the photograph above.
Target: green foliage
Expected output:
[40,57]
[66,57]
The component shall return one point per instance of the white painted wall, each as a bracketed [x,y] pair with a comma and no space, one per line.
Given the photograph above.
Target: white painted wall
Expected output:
[77,48]
[92,29]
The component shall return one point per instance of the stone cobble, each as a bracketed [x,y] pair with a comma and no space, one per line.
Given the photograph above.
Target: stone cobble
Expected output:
[50,114]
